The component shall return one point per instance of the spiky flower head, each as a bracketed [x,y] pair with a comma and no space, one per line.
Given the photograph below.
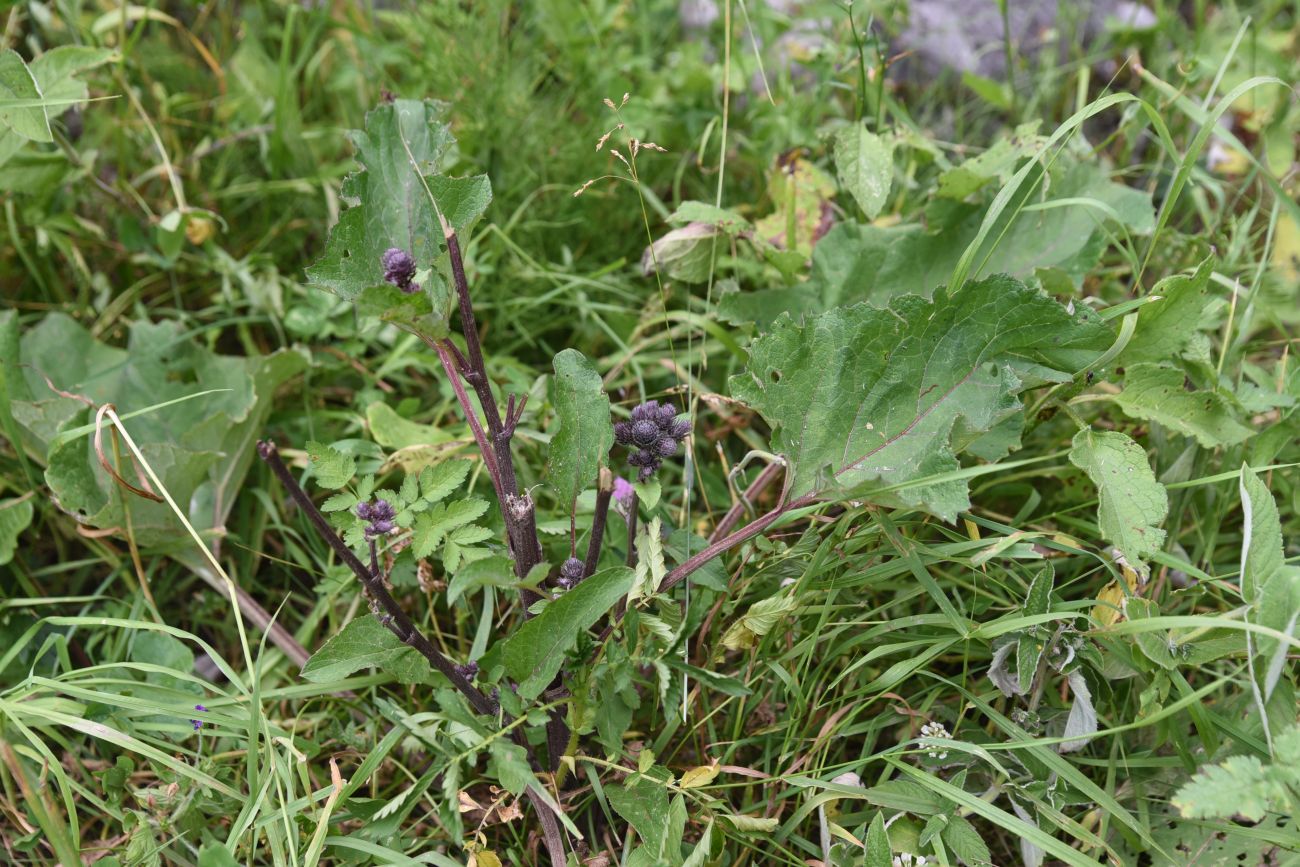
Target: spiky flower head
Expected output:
[570,572]
[653,432]
[399,269]
[380,515]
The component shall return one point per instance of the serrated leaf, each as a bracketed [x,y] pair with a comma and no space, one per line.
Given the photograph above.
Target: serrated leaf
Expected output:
[21,108]
[584,432]
[1165,326]
[393,205]
[650,567]
[864,163]
[366,643]
[440,481]
[1240,786]
[1155,392]
[339,502]
[15,516]
[432,526]
[1131,503]
[534,652]
[330,467]
[863,398]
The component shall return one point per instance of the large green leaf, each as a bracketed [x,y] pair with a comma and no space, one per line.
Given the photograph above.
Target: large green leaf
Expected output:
[856,262]
[584,435]
[367,643]
[1156,392]
[201,449]
[395,202]
[1131,503]
[862,398]
[533,653]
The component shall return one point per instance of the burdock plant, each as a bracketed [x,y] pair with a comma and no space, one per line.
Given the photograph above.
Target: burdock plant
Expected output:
[407,220]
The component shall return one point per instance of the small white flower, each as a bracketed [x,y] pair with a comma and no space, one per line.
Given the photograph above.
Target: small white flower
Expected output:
[935,730]
[909,860]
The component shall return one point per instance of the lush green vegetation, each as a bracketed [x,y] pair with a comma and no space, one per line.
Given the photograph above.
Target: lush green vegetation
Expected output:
[970,536]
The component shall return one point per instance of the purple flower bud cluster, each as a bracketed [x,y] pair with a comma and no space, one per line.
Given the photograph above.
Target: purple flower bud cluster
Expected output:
[652,433]
[570,572]
[198,724]
[380,514]
[468,671]
[399,269]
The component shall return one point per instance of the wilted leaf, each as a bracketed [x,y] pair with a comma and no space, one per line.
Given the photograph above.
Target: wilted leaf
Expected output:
[584,433]
[757,622]
[757,824]
[1131,503]
[862,398]
[1082,719]
[694,778]
[685,254]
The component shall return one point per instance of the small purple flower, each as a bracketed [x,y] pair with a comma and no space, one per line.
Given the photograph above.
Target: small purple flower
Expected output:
[623,492]
[652,433]
[380,514]
[468,670]
[399,269]
[198,724]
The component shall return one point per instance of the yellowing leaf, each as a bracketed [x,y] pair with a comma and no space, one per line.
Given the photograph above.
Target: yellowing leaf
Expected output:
[694,778]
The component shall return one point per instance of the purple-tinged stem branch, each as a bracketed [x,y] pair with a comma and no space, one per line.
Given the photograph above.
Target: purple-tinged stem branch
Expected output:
[604,493]
[398,623]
